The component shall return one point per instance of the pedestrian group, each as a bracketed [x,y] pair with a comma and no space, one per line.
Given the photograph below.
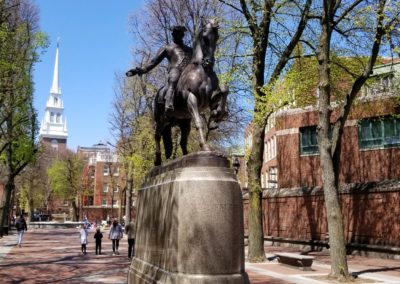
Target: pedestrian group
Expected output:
[115,234]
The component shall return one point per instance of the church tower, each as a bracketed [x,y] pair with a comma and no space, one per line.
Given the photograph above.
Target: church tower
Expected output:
[53,132]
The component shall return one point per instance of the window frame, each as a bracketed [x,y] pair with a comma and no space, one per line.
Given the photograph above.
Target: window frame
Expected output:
[106,170]
[374,133]
[105,187]
[314,149]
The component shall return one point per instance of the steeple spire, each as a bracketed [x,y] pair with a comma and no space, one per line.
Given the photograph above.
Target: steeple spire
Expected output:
[53,130]
[55,89]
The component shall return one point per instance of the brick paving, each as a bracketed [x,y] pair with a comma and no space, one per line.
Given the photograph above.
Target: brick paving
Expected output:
[53,256]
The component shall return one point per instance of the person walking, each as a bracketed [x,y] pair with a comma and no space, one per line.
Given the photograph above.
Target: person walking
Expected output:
[98,236]
[84,238]
[115,235]
[130,230]
[21,227]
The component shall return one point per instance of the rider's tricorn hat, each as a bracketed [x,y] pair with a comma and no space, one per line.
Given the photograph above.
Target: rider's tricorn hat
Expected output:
[181,29]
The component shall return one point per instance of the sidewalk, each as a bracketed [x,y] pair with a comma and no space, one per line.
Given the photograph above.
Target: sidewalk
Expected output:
[53,256]
[368,270]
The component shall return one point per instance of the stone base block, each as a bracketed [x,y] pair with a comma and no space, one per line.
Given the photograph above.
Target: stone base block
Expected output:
[190,224]
[144,273]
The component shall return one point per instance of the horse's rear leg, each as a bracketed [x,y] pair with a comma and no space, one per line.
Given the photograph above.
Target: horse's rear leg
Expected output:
[184,125]
[194,110]
[167,139]
[157,138]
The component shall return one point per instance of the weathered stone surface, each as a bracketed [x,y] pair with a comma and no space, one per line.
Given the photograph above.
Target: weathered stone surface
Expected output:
[190,224]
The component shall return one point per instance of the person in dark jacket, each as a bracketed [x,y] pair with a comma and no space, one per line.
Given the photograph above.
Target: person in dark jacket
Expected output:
[21,228]
[98,236]
[130,232]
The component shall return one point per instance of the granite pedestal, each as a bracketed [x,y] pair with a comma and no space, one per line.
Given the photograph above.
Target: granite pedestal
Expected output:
[190,224]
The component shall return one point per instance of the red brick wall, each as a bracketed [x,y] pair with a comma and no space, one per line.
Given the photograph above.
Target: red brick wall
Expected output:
[100,179]
[356,165]
[369,218]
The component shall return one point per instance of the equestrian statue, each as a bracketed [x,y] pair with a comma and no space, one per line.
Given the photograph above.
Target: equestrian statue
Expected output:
[192,87]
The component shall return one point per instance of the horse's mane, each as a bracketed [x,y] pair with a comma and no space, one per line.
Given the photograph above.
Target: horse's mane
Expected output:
[197,47]
[198,53]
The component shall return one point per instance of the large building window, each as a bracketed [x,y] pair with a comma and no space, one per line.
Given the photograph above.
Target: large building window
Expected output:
[308,140]
[273,177]
[104,202]
[379,132]
[106,170]
[105,187]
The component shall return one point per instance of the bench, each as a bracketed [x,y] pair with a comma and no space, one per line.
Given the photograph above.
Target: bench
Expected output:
[59,217]
[303,262]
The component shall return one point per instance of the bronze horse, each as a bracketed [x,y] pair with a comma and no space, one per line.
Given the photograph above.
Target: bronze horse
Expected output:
[197,90]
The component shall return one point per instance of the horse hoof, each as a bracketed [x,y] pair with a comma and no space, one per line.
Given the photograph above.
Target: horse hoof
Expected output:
[157,161]
[205,147]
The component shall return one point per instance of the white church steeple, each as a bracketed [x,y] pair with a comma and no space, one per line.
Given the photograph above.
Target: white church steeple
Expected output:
[55,89]
[53,128]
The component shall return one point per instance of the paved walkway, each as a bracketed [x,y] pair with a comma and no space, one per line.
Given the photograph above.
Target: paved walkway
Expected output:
[53,256]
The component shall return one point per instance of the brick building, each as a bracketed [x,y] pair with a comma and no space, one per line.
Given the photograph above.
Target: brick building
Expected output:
[369,177]
[104,181]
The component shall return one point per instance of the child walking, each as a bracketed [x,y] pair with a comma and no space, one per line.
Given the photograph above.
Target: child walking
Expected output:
[84,238]
[98,236]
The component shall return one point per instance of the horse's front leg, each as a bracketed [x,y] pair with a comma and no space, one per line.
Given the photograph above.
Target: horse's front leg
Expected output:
[194,111]
[157,138]
[184,125]
[221,109]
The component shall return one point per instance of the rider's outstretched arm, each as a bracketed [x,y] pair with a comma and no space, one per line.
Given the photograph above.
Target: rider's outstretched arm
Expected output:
[161,54]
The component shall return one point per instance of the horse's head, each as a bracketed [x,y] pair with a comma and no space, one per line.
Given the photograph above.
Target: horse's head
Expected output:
[207,38]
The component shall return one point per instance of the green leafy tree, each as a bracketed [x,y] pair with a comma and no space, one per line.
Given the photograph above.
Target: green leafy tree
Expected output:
[20,41]
[361,27]
[66,181]
[132,128]
[31,185]
[269,32]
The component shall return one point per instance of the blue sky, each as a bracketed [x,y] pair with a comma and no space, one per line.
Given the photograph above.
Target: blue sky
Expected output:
[94,44]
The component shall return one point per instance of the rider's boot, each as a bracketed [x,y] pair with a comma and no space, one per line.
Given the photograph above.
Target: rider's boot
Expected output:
[169,102]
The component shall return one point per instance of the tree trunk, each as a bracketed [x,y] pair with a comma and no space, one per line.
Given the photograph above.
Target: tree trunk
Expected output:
[4,218]
[75,215]
[80,206]
[31,208]
[10,184]
[128,201]
[256,236]
[120,207]
[337,242]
